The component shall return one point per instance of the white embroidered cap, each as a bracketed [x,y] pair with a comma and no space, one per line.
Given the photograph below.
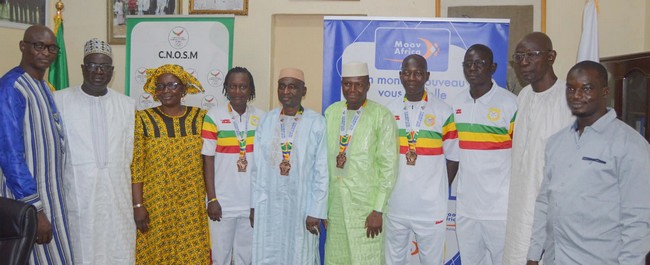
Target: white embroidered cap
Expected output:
[97,46]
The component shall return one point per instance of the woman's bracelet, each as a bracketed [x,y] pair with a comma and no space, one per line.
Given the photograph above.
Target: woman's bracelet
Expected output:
[138,205]
[212,200]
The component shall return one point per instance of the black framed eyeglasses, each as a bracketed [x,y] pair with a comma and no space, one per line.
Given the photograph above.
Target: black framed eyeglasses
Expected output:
[93,67]
[40,46]
[170,85]
[476,63]
[531,55]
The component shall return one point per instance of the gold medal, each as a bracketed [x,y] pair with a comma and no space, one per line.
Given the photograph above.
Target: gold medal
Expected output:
[340,160]
[242,163]
[411,156]
[285,166]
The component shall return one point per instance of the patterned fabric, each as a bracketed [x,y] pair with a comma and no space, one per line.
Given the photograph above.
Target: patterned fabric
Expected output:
[192,84]
[33,156]
[95,45]
[167,160]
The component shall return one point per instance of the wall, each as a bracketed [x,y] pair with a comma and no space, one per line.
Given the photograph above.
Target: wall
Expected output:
[622,30]
[288,30]
[253,43]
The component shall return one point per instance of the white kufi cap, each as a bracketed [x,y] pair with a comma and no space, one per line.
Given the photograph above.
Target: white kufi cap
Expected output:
[354,69]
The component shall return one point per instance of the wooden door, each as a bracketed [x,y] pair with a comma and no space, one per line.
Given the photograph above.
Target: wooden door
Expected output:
[629,82]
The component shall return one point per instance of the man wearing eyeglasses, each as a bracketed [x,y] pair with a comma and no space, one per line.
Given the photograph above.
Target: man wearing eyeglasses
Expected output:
[484,116]
[33,145]
[99,127]
[542,111]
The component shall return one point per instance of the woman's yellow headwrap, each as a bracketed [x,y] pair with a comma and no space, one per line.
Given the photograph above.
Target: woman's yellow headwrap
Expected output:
[192,85]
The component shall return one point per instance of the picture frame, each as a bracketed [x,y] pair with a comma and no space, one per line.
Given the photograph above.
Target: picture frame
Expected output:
[20,14]
[236,7]
[116,21]
[525,16]
[539,8]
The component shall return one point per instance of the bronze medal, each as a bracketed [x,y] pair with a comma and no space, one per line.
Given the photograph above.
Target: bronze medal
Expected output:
[285,166]
[340,160]
[411,156]
[242,163]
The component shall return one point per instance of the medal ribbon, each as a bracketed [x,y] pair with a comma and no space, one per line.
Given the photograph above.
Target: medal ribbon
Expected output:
[412,133]
[346,136]
[241,135]
[287,140]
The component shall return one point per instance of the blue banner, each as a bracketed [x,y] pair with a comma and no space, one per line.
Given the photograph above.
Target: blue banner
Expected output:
[384,42]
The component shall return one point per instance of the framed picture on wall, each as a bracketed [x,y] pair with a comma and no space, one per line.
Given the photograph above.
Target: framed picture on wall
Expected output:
[490,8]
[21,14]
[118,10]
[525,16]
[237,7]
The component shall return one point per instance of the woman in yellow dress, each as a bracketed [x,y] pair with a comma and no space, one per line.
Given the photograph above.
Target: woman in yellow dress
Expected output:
[168,188]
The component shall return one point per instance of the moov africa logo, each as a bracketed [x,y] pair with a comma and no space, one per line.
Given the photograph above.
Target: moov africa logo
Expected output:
[178,37]
[394,44]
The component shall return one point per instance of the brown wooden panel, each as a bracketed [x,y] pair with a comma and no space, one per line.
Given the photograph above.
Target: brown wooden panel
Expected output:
[622,66]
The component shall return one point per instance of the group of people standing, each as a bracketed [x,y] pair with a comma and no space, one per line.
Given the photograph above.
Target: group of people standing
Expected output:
[176,184]
[150,7]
